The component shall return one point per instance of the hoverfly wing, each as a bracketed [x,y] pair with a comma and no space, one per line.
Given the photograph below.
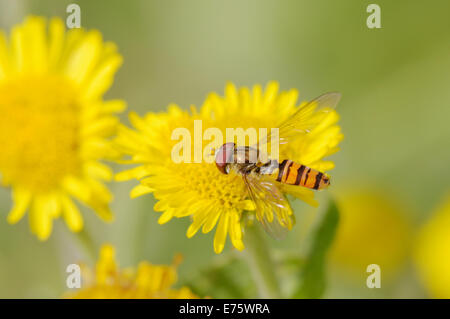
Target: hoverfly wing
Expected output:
[272,209]
[305,119]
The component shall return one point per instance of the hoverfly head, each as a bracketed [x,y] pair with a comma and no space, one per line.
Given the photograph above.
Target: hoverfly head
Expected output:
[224,157]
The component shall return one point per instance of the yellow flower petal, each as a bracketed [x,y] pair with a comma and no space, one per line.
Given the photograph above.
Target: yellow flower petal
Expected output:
[56,41]
[211,221]
[140,190]
[103,77]
[17,43]
[41,219]
[4,59]
[77,188]
[235,231]
[134,173]
[36,43]
[99,170]
[84,57]
[21,198]
[221,233]
[166,216]
[71,214]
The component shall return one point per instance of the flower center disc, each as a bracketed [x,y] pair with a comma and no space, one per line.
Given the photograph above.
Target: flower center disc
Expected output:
[39,131]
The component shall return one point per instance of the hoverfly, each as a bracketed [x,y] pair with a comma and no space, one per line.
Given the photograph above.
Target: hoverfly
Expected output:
[263,179]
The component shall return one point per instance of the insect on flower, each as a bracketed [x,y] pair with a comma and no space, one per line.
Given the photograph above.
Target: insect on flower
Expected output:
[262,177]
[222,201]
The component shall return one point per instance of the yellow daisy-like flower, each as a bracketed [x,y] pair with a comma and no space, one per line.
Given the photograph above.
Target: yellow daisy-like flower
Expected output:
[54,124]
[199,190]
[148,281]
[432,253]
[373,229]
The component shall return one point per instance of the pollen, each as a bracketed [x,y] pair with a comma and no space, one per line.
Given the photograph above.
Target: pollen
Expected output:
[225,190]
[39,131]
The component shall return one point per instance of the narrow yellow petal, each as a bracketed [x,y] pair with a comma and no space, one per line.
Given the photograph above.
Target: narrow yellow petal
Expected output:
[235,231]
[199,220]
[106,264]
[77,188]
[270,93]
[104,127]
[71,214]
[4,57]
[36,42]
[84,57]
[98,148]
[21,200]
[211,221]
[140,190]
[52,205]
[244,98]
[257,97]
[56,42]
[114,106]
[98,170]
[99,192]
[323,166]
[192,229]
[134,173]
[18,50]
[103,211]
[71,41]
[102,78]
[166,216]
[231,96]
[160,206]
[221,233]
[41,221]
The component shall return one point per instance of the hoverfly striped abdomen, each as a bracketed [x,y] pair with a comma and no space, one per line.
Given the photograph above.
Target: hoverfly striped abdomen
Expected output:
[292,173]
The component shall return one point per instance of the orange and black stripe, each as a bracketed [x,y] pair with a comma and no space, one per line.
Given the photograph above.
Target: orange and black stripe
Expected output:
[293,173]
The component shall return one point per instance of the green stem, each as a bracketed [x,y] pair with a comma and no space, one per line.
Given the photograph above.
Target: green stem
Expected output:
[87,244]
[261,265]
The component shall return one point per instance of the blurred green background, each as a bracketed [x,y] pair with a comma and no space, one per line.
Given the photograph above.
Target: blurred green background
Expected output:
[394,115]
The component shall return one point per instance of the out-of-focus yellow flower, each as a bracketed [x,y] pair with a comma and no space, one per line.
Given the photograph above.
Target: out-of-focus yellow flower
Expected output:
[373,229]
[54,125]
[432,253]
[146,282]
[199,190]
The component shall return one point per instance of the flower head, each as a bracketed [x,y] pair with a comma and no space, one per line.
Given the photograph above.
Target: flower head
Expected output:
[200,190]
[373,229]
[147,281]
[54,124]
[432,253]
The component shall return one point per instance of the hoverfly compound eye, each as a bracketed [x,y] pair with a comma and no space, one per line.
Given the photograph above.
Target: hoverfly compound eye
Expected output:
[225,156]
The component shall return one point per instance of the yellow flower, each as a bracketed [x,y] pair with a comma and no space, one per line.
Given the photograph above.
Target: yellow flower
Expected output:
[432,253]
[199,190]
[54,124]
[146,282]
[373,229]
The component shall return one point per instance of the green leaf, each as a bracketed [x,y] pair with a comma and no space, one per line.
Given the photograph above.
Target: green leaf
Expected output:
[313,281]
